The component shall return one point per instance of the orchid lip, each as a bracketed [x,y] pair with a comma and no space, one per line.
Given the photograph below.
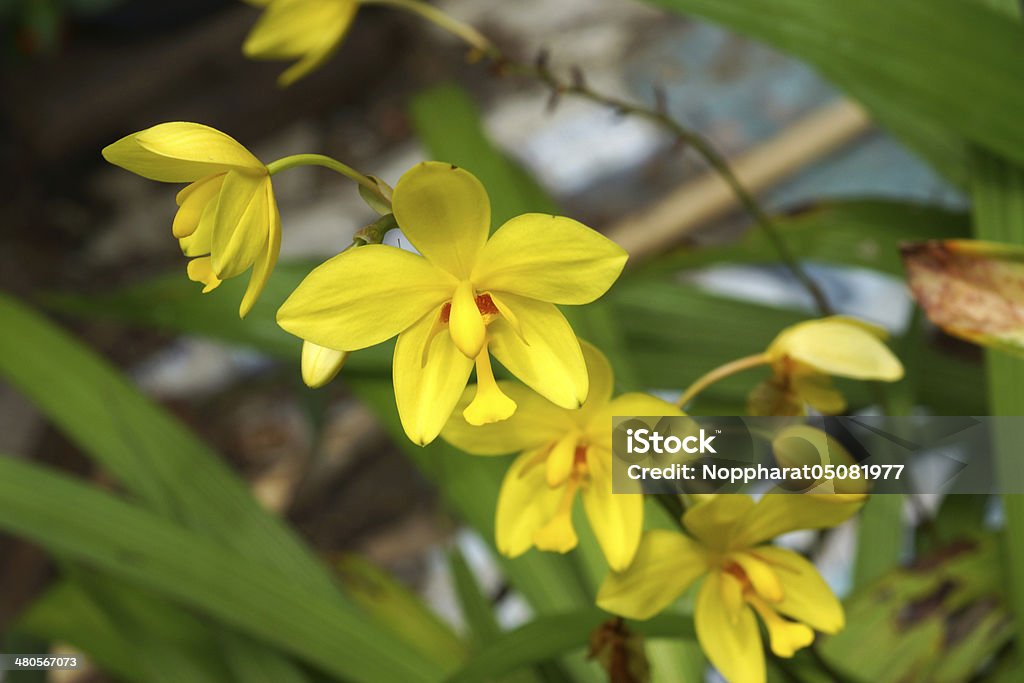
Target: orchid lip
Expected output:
[484,304]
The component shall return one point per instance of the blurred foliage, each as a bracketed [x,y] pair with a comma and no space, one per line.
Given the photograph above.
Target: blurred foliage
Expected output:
[939,620]
[181,575]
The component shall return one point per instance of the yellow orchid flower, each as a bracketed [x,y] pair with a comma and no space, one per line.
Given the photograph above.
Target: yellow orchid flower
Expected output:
[563,452]
[804,356]
[803,359]
[227,219]
[306,30]
[461,299]
[742,575]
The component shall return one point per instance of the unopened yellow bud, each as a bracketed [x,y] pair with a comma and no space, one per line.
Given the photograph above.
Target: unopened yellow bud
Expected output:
[320,364]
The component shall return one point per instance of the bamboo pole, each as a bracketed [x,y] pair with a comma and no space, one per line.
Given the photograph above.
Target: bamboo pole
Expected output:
[708,197]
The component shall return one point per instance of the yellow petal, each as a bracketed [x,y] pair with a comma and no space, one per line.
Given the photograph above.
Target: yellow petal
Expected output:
[426,394]
[665,565]
[240,223]
[761,575]
[807,597]
[616,518]
[558,535]
[549,258]
[714,520]
[307,30]
[489,405]
[837,346]
[507,314]
[180,152]
[465,324]
[537,421]
[550,360]
[192,201]
[731,641]
[200,242]
[267,259]
[364,296]
[601,382]
[320,364]
[560,460]
[201,270]
[816,390]
[599,424]
[525,505]
[445,213]
[785,637]
[780,513]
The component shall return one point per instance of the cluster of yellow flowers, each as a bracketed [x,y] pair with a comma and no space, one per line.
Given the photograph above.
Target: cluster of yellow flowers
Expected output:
[467,295]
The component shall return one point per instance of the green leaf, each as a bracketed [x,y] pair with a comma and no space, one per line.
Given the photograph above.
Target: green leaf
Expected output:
[67,613]
[881,537]
[133,545]
[252,662]
[400,611]
[862,233]
[159,461]
[937,621]
[477,612]
[476,608]
[449,125]
[938,73]
[550,636]
[997,195]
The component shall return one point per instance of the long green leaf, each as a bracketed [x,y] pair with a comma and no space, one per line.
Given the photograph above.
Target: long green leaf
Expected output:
[863,233]
[162,463]
[998,204]
[476,608]
[921,67]
[258,599]
[399,610]
[67,613]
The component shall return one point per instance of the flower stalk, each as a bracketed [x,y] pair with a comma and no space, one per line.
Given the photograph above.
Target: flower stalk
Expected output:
[296,160]
[720,373]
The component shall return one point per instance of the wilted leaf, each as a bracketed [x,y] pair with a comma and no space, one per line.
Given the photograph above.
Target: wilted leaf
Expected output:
[971,289]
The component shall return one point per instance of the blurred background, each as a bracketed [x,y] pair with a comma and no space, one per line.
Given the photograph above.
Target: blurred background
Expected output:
[79,74]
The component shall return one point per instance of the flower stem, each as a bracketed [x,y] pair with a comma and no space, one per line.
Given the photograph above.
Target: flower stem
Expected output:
[467,33]
[295,160]
[720,373]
